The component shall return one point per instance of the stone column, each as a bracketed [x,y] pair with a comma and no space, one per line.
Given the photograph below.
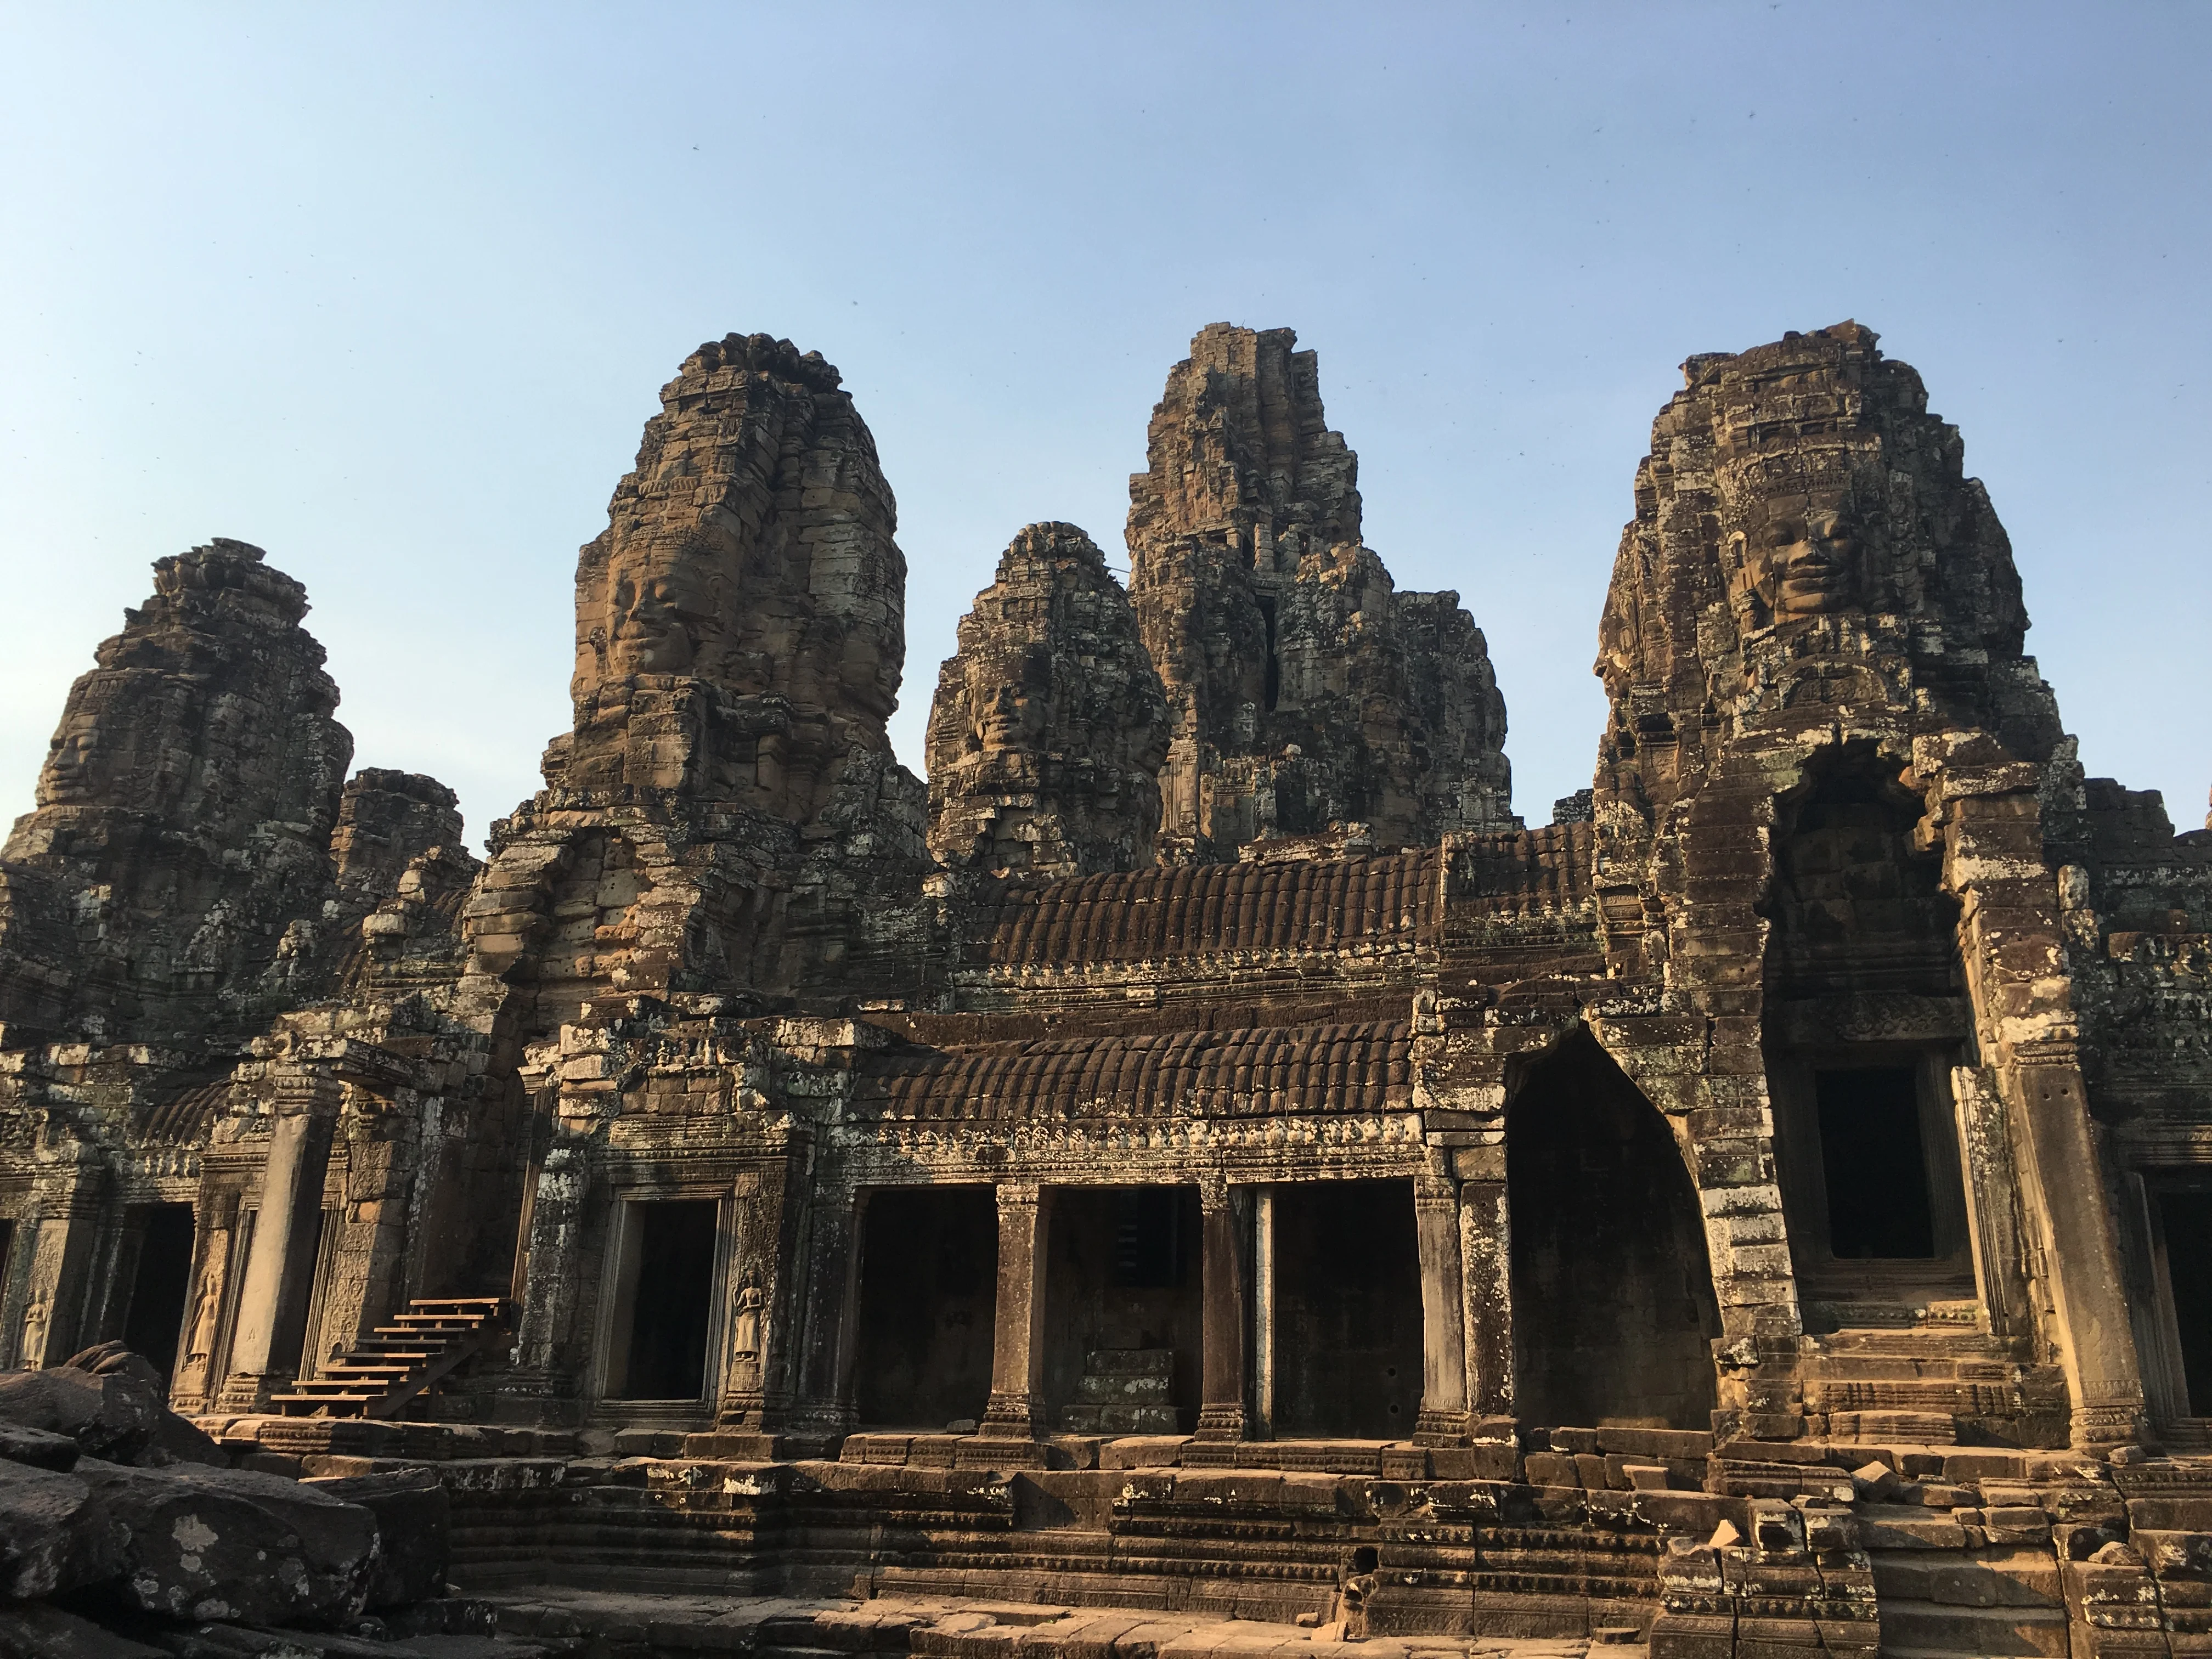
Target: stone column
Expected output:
[1264,1289]
[1444,1419]
[2096,1349]
[215,1224]
[1221,1413]
[547,1360]
[64,1237]
[280,1267]
[1016,1410]
[1486,1278]
[750,1329]
[2013,940]
[832,1297]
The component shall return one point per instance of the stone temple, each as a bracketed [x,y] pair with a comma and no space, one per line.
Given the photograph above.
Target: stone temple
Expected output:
[1201,1155]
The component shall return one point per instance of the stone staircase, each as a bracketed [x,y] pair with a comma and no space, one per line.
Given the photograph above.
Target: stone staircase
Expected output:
[397,1362]
[1124,1391]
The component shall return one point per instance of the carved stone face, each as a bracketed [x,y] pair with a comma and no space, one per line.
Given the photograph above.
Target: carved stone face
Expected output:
[654,619]
[1009,693]
[1802,558]
[72,773]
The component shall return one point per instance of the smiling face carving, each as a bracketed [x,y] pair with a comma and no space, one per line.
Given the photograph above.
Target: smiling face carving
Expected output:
[654,612]
[1011,692]
[1800,557]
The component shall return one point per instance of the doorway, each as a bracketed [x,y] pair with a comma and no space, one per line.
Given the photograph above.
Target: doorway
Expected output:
[1347,1310]
[929,1275]
[1613,1310]
[663,1306]
[2185,1225]
[160,1285]
[1123,1320]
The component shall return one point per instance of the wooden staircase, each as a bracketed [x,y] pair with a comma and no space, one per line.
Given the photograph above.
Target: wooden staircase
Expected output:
[397,1362]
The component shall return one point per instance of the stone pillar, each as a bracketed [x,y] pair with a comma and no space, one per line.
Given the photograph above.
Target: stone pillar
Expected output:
[1221,1413]
[280,1267]
[546,1361]
[1016,1410]
[2097,1346]
[756,1386]
[1264,1288]
[2012,937]
[1487,1278]
[62,1241]
[832,1295]
[215,1224]
[1444,1419]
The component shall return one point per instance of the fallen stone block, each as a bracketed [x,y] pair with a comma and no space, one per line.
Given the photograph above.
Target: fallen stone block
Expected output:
[54,1535]
[44,1633]
[113,1417]
[234,1544]
[38,1448]
[414,1526]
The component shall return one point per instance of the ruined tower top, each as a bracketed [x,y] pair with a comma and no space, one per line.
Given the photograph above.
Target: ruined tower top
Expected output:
[1305,691]
[1048,725]
[1807,547]
[746,596]
[1239,454]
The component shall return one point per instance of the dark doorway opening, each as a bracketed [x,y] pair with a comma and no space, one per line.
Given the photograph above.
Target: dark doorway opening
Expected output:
[929,1271]
[1122,1314]
[2185,1220]
[669,1270]
[160,1285]
[1875,1163]
[1614,1311]
[1274,690]
[1347,1314]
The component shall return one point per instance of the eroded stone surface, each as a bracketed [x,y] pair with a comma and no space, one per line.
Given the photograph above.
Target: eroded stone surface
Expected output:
[1305,689]
[185,813]
[1049,726]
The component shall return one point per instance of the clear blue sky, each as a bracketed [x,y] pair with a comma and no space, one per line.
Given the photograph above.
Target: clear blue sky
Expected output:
[389,290]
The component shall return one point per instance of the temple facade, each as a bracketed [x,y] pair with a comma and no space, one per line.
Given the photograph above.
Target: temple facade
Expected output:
[1206,1069]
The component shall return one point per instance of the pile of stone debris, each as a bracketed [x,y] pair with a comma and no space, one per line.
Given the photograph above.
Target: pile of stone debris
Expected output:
[126,1534]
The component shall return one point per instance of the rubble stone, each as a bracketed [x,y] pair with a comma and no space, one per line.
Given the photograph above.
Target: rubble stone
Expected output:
[55,1536]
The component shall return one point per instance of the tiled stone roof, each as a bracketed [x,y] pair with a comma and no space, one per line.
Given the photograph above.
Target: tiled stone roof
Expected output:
[1350,1068]
[1307,904]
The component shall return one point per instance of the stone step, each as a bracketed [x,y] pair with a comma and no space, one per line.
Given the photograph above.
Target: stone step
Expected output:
[1932,1627]
[1129,1362]
[1124,1418]
[1120,1390]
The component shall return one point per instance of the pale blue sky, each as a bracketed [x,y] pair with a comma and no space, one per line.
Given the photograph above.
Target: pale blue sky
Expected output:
[389,290]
